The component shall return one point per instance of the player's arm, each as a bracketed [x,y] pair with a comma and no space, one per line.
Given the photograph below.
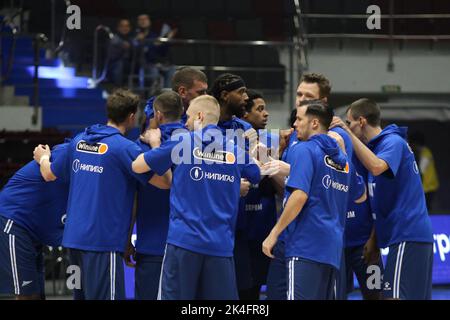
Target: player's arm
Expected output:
[285,135]
[363,197]
[293,207]
[278,184]
[162,182]
[371,252]
[139,165]
[41,155]
[153,138]
[277,170]
[339,140]
[370,161]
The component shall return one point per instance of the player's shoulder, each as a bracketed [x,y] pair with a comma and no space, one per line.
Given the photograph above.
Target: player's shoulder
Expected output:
[305,146]
[242,124]
[393,139]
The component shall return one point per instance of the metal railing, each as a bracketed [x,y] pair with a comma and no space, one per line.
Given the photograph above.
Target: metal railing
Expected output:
[96,80]
[137,62]
[390,36]
[210,66]
[8,21]
[57,48]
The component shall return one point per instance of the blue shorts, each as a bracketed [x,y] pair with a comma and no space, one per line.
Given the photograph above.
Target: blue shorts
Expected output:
[147,276]
[188,275]
[21,261]
[276,277]
[340,287]
[408,272]
[101,275]
[251,263]
[354,263]
[310,280]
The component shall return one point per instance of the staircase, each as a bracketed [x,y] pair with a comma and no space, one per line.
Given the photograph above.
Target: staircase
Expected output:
[67,103]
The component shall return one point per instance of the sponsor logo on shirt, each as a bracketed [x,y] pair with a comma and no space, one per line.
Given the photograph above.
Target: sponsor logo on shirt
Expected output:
[333,165]
[77,166]
[198,174]
[216,156]
[254,207]
[96,148]
[328,182]
[351,214]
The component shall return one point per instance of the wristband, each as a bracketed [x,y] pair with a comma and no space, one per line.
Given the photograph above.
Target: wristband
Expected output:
[45,156]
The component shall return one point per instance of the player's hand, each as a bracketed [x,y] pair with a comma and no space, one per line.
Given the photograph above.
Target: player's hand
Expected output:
[268,244]
[40,151]
[245,187]
[337,122]
[252,137]
[285,135]
[261,152]
[130,255]
[340,141]
[371,252]
[275,167]
[152,137]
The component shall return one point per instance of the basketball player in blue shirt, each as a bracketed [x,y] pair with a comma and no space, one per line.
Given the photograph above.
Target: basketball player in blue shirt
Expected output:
[101,196]
[317,192]
[259,214]
[315,87]
[397,200]
[231,93]
[198,262]
[153,204]
[361,249]
[189,83]
[32,214]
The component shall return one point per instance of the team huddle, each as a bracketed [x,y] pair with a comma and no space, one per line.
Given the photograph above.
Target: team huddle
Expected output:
[200,186]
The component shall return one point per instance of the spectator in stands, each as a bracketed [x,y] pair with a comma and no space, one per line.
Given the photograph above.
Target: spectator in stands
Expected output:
[152,55]
[425,161]
[120,53]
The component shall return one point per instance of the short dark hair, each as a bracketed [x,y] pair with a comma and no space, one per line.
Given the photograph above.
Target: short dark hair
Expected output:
[185,76]
[169,103]
[322,82]
[319,110]
[252,95]
[292,118]
[120,104]
[368,109]
[221,83]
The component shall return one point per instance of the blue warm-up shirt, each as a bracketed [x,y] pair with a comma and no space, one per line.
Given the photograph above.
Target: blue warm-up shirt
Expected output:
[396,196]
[321,170]
[102,189]
[205,190]
[153,206]
[36,205]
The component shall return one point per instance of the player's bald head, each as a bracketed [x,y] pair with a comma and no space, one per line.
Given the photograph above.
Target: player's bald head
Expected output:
[207,106]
